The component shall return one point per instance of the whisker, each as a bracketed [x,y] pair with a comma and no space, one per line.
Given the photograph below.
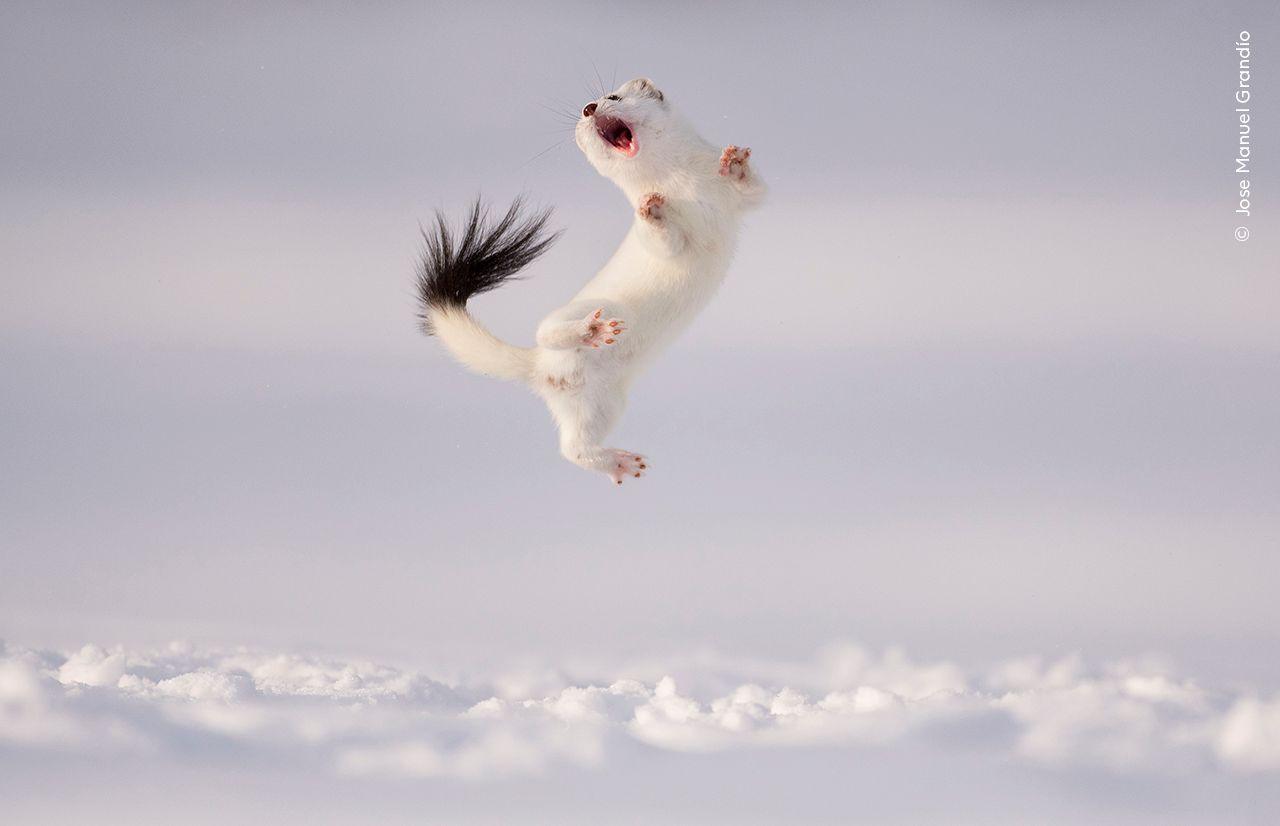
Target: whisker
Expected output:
[569,107]
[555,145]
[563,112]
[561,117]
[599,80]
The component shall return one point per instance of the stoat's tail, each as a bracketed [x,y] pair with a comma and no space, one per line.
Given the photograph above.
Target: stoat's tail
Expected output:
[483,258]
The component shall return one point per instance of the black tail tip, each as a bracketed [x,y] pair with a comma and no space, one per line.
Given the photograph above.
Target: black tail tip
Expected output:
[479,256]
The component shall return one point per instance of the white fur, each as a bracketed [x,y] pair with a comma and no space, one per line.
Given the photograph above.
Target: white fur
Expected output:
[666,270]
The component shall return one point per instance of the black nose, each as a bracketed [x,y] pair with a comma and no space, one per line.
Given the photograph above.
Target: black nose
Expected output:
[588,110]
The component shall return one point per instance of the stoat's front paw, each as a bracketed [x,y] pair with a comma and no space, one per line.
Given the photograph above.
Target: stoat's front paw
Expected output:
[598,331]
[733,163]
[652,208]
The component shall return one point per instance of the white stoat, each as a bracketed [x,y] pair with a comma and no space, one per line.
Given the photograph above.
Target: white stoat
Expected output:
[688,198]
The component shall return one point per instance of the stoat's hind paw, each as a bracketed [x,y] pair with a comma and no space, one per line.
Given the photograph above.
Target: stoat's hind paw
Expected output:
[599,331]
[652,208]
[624,465]
[734,163]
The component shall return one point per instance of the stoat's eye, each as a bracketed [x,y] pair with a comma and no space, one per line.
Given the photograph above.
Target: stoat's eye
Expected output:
[612,97]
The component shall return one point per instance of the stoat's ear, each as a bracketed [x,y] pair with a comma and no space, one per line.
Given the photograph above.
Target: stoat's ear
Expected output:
[644,87]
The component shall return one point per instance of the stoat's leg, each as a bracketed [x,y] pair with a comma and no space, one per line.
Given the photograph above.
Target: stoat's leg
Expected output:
[735,165]
[595,330]
[585,416]
[657,229]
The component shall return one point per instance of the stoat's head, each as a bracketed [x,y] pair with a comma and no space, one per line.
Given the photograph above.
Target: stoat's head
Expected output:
[631,132]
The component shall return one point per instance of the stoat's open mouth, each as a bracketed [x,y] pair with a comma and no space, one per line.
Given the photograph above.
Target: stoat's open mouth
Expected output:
[617,134]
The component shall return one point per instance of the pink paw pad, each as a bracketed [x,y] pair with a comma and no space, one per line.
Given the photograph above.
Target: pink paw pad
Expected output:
[624,465]
[733,162]
[602,331]
[651,207]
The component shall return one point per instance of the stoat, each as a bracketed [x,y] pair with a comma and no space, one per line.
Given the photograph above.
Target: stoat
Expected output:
[688,198]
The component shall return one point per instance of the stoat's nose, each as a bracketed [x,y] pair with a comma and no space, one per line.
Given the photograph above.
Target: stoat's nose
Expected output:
[589,110]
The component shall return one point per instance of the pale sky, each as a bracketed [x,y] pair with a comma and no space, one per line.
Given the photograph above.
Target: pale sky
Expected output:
[964,495]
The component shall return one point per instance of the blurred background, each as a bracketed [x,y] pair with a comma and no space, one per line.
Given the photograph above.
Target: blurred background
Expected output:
[990,377]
